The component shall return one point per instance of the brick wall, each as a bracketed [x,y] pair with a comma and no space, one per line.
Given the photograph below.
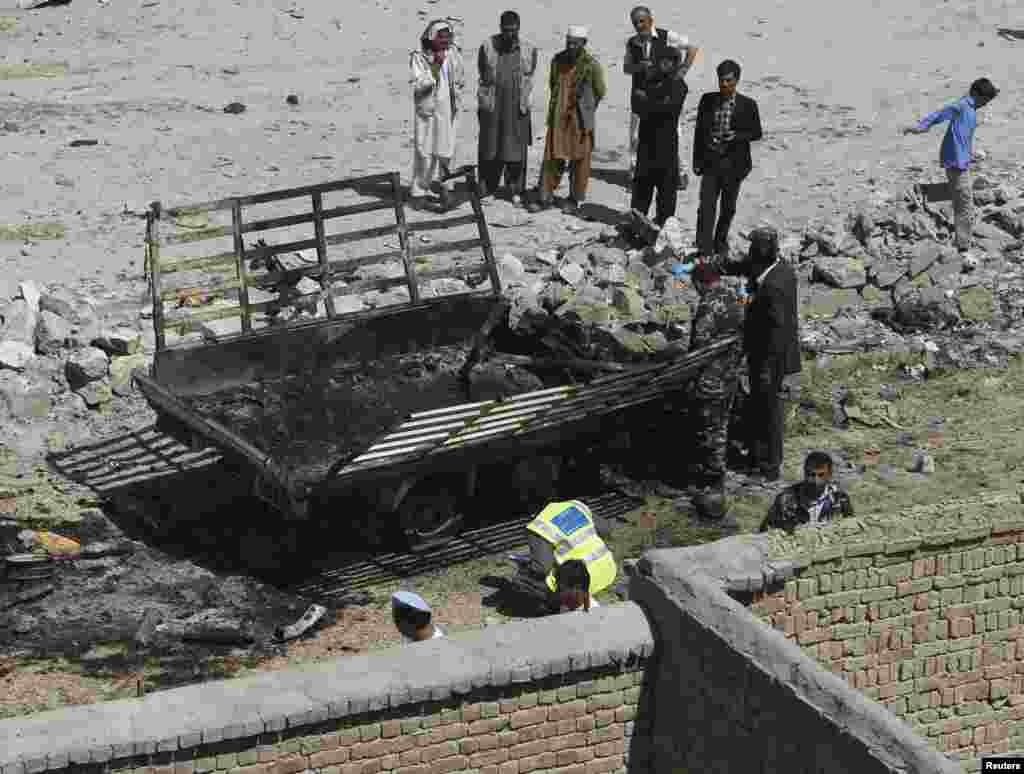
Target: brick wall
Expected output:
[562,694]
[731,694]
[931,628]
[575,724]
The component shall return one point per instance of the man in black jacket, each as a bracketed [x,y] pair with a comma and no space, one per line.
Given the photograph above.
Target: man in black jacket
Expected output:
[658,104]
[727,123]
[770,338]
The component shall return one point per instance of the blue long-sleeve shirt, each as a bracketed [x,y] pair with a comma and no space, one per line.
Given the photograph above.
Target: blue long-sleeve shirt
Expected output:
[959,140]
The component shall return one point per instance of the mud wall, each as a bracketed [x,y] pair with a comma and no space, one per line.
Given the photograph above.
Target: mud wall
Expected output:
[921,612]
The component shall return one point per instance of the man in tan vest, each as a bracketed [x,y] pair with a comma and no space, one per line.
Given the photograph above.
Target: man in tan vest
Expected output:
[507,65]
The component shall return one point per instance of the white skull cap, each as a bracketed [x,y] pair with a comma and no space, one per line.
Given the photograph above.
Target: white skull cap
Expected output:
[577,31]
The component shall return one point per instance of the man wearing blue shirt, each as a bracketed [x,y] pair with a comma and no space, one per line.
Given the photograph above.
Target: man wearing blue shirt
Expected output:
[957,148]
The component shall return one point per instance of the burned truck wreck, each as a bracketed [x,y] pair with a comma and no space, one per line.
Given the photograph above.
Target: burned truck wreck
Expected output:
[416,405]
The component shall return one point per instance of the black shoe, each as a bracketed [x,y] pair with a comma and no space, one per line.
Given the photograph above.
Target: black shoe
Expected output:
[569,206]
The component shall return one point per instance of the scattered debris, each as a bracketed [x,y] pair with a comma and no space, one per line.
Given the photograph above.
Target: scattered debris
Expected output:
[292,99]
[923,462]
[234,108]
[83,143]
[308,620]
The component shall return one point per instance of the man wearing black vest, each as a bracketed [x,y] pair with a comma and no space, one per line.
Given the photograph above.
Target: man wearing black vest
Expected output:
[640,62]
[727,123]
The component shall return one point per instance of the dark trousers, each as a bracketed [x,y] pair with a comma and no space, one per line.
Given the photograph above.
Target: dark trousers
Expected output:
[666,181]
[711,237]
[765,421]
[491,172]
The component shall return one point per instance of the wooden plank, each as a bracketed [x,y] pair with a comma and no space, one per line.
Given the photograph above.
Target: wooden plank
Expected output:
[485,237]
[153,243]
[243,290]
[197,235]
[321,250]
[271,196]
[403,239]
[190,263]
[308,217]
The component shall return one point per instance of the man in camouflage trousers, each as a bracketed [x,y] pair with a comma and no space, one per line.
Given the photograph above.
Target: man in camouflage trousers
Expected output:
[719,314]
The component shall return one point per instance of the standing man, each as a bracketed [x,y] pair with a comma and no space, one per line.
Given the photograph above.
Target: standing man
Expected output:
[770,338]
[727,123]
[641,54]
[956,152]
[438,78]
[659,104]
[718,315]
[577,86]
[507,65]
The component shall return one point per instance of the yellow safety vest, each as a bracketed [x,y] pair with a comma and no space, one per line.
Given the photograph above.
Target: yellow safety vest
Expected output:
[569,528]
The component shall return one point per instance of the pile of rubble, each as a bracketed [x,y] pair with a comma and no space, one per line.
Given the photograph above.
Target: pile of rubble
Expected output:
[57,351]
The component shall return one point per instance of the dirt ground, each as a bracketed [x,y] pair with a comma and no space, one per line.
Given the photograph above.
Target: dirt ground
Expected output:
[835,83]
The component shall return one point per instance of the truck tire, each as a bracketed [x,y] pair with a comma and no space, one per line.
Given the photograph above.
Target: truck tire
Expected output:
[433,512]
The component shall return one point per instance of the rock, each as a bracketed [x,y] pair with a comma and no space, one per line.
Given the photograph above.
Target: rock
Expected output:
[671,242]
[926,254]
[951,266]
[306,286]
[610,274]
[15,355]
[121,372]
[885,275]
[987,231]
[96,394]
[976,304]
[554,295]
[21,398]
[830,237]
[656,341]
[622,344]
[862,227]
[85,366]
[640,276]
[827,303]
[53,333]
[969,263]
[120,340]
[379,271]
[348,304]
[922,462]
[29,292]
[1005,193]
[547,257]
[234,108]
[292,99]
[873,297]
[924,310]
[511,271]
[840,272]
[448,286]
[669,314]
[1009,221]
[628,302]
[378,298]
[577,254]
[213,330]
[19,322]
[572,273]
[602,255]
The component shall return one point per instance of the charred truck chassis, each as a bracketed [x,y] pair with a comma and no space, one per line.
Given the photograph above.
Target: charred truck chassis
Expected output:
[424,468]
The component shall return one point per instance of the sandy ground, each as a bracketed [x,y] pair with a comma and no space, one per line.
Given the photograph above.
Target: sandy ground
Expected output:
[148,80]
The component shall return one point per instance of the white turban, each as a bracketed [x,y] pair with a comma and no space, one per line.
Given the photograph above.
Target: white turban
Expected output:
[577,31]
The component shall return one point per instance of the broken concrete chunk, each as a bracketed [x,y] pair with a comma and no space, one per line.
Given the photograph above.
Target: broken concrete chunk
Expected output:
[86,365]
[120,340]
[19,322]
[121,369]
[15,355]
[53,333]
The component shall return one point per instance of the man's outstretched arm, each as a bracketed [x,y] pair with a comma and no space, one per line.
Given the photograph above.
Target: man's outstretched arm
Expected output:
[947,113]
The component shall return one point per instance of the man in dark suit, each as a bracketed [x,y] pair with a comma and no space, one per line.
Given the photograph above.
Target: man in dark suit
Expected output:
[770,339]
[727,123]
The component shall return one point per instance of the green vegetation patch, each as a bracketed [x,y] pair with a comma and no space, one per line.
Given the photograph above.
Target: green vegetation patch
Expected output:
[23,231]
[12,72]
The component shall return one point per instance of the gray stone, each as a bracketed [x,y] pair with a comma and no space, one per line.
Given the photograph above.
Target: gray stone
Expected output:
[19,322]
[448,286]
[348,304]
[840,272]
[15,355]
[573,273]
[629,303]
[1008,220]
[215,329]
[547,257]
[65,303]
[307,286]
[86,365]
[925,254]
[511,271]
[578,254]
[988,231]
[826,303]
[379,271]
[873,297]
[21,398]
[610,274]
[120,340]
[950,267]
[885,275]
[121,371]
[29,291]
[53,333]
[96,394]
[602,255]
[830,237]
[862,227]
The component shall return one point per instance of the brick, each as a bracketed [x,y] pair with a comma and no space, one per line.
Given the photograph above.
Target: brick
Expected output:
[545,760]
[410,757]
[585,723]
[528,749]
[487,725]
[617,747]
[570,709]
[290,765]
[446,765]
[528,717]
[604,765]
[567,741]
[490,758]
[329,758]
[509,767]
[391,728]
[435,751]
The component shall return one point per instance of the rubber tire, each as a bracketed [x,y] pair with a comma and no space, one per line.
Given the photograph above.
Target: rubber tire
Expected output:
[439,498]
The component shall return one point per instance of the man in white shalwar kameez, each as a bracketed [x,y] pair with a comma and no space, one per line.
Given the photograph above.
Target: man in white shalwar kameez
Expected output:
[438,78]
